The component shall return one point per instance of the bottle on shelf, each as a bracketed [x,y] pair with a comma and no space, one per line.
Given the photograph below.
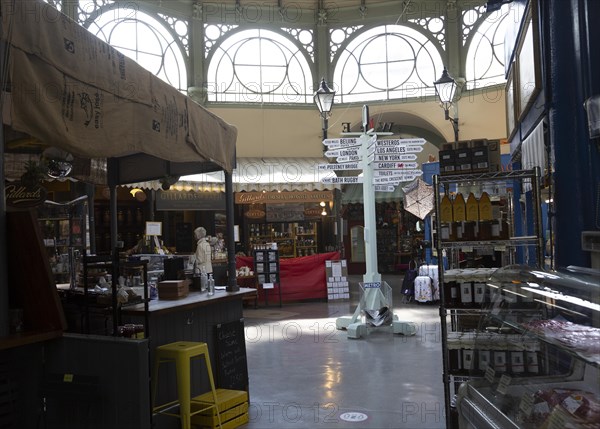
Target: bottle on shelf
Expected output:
[447,230]
[459,215]
[211,285]
[485,217]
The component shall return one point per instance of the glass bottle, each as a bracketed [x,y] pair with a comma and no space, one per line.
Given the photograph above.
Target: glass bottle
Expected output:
[211,285]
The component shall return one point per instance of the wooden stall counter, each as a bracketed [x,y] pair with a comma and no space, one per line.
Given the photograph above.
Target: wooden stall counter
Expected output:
[203,318]
[193,300]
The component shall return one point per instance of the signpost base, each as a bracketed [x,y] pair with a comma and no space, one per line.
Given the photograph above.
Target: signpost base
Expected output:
[374,311]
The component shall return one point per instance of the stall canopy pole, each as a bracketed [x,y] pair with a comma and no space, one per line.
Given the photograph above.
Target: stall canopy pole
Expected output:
[3,249]
[232,285]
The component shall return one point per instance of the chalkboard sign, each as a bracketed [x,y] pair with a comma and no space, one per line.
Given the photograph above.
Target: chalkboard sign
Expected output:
[232,366]
[184,237]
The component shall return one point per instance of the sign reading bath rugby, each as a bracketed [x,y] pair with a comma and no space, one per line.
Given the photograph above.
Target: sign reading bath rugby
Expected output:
[189,200]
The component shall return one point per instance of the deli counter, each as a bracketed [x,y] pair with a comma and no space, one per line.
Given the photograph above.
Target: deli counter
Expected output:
[537,352]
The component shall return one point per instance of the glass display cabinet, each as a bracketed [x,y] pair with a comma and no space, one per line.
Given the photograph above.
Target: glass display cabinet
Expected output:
[536,355]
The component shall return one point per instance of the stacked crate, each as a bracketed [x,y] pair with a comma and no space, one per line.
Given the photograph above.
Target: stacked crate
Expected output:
[233,409]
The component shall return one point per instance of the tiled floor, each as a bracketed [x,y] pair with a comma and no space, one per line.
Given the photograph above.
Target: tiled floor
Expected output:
[306,374]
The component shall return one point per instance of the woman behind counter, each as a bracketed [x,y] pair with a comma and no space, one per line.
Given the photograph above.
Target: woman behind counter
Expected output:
[203,251]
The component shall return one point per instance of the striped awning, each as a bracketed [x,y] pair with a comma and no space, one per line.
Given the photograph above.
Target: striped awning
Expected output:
[258,174]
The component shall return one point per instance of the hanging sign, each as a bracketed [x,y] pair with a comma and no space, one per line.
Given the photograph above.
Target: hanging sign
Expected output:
[341,180]
[349,158]
[395,165]
[346,166]
[396,158]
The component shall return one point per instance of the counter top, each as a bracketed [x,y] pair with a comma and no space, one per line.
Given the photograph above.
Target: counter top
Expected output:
[194,299]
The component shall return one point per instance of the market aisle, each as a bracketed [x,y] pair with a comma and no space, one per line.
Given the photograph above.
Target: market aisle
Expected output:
[306,374]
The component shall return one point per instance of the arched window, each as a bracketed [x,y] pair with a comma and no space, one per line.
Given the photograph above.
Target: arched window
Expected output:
[484,64]
[145,40]
[387,62]
[258,66]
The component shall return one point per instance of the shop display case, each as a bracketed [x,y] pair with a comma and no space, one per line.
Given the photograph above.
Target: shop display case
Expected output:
[474,236]
[65,237]
[293,238]
[536,352]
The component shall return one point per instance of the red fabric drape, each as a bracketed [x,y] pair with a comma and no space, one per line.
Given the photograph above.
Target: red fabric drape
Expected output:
[301,278]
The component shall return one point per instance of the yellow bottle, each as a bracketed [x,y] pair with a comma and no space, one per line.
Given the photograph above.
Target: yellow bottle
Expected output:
[472,208]
[485,207]
[458,208]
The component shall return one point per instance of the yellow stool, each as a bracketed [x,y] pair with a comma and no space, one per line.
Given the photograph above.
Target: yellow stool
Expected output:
[182,352]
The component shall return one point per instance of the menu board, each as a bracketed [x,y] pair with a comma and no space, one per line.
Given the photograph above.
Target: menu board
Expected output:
[232,365]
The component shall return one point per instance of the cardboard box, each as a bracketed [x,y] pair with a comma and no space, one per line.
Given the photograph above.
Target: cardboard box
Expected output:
[462,159]
[479,156]
[447,161]
[173,289]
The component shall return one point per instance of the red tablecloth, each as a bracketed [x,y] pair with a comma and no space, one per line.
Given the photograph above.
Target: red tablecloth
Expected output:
[301,278]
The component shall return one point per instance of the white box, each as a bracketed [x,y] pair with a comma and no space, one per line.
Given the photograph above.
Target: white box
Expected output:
[517,363]
[500,361]
[479,292]
[484,359]
[467,359]
[466,293]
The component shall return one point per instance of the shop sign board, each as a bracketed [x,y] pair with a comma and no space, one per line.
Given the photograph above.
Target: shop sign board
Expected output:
[189,200]
[285,212]
[283,197]
[19,195]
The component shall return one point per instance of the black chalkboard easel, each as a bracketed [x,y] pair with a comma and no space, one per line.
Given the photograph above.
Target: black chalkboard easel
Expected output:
[231,361]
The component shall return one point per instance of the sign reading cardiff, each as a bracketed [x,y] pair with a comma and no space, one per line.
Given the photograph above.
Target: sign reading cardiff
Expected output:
[394,165]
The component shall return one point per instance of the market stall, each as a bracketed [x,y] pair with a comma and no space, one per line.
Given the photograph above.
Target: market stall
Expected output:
[300,278]
[117,123]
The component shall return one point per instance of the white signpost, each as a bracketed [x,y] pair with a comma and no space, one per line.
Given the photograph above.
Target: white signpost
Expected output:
[376,294]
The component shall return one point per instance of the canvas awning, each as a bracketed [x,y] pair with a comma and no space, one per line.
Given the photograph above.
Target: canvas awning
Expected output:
[258,174]
[72,91]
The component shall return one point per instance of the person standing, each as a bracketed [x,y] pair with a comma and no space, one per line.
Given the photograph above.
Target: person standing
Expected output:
[203,251]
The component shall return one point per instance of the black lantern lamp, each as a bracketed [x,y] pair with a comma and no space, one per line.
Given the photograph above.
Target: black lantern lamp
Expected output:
[445,89]
[324,101]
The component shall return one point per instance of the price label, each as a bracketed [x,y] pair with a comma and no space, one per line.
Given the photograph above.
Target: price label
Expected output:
[503,384]
[490,374]
[558,419]
[499,248]
[526,405]
[68,378]
[467,249]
